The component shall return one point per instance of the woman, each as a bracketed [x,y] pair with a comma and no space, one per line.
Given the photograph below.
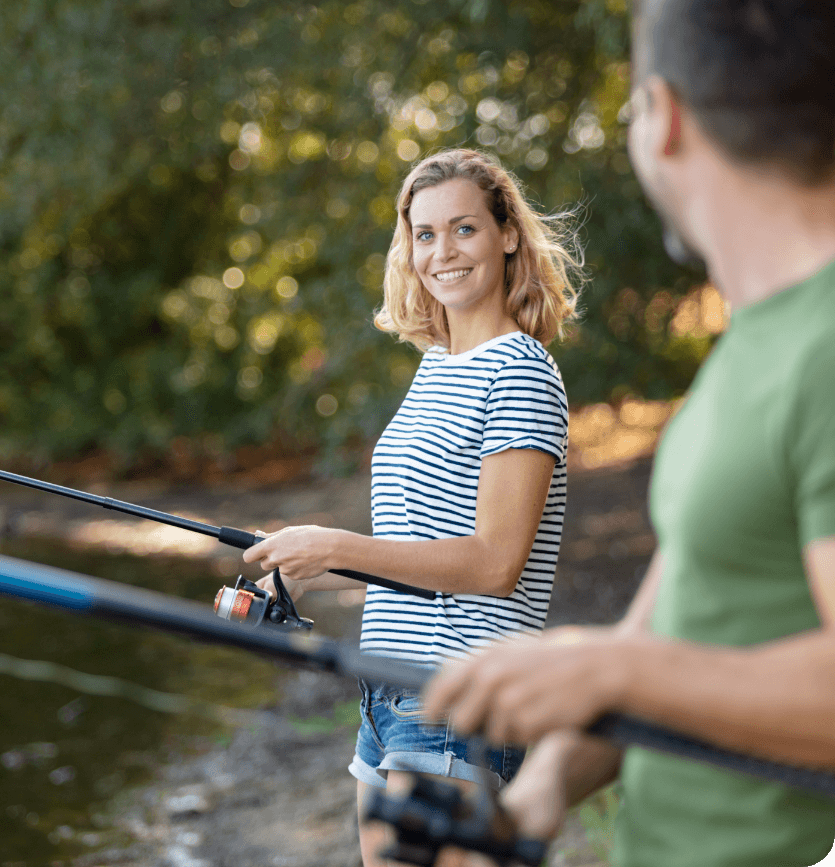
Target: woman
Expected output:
[468,479]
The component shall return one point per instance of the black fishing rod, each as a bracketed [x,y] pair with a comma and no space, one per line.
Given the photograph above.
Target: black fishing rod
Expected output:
[227,535]
[96,597]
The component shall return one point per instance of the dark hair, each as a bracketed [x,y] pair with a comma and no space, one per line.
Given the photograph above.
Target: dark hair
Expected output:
[758,74]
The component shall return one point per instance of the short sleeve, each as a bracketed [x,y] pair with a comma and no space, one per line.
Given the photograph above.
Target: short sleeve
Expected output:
[526,409]
[813,450]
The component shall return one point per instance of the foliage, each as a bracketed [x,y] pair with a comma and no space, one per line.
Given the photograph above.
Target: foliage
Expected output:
[344,713]
[597,814]
[196,199]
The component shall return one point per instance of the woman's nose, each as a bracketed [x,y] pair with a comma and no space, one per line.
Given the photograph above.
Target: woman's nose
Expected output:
[444,248]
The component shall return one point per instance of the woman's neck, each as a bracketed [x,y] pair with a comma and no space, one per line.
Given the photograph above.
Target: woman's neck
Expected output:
[467,334]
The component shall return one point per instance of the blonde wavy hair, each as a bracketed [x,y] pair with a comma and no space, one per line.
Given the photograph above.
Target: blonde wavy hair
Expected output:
[542,276]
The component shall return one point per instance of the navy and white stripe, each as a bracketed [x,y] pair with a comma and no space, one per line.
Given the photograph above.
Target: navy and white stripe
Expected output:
[504,394]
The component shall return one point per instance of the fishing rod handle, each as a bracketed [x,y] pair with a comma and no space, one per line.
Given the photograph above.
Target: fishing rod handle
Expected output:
[384,582]
[242,539]
[237,538]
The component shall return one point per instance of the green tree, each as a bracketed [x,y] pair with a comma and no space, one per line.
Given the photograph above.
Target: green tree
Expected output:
[196,199]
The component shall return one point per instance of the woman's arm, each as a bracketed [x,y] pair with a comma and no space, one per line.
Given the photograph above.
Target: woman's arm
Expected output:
[512,490]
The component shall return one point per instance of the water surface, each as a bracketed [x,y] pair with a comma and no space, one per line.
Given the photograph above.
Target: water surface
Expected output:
[65,753]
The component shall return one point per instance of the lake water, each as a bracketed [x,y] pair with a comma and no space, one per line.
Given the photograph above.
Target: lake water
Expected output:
[65,753]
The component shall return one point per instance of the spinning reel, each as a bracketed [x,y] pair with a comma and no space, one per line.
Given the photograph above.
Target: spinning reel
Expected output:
[248,604]
[434,815]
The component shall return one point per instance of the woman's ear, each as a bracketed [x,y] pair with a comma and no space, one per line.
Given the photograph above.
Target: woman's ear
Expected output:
[511,240]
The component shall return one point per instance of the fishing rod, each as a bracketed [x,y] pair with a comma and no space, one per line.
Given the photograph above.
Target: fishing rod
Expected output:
[227,535]
[432,816]
[97,597]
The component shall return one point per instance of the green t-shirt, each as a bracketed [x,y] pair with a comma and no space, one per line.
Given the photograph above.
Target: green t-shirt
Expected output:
[743,479]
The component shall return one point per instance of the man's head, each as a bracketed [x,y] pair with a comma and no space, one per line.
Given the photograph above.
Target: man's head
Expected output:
[756,77]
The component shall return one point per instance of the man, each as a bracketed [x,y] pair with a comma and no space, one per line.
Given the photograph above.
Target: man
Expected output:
[731,637]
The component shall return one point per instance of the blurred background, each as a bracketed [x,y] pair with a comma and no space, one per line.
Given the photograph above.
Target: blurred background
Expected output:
[196,199]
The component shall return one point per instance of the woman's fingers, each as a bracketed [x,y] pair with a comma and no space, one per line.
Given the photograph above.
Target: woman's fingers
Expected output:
[299,552]
[258,553]
[267,584]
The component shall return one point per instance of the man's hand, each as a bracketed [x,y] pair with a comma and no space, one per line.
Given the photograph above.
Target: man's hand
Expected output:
[536,798]
[558,773]
[520,690]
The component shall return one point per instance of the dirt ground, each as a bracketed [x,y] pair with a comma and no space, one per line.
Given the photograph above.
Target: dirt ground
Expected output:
[278,796]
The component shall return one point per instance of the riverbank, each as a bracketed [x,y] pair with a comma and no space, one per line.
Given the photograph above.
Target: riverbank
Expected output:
[277,793]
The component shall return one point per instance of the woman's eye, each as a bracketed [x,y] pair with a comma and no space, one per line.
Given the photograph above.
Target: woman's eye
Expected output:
[423,236]
[465,230]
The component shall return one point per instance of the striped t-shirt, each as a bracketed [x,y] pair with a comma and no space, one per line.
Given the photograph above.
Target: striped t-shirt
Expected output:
[505,394]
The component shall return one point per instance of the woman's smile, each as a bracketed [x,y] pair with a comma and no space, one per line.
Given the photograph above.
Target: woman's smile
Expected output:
[453,276]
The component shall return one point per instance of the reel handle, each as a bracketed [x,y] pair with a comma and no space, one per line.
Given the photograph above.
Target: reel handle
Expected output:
[434,815]
[283,609]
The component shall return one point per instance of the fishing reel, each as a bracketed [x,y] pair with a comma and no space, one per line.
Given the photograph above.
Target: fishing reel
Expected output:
[434,815]
[248,604]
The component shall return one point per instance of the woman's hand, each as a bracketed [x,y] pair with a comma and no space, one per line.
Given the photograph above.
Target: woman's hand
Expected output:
[295,589]
[299,553]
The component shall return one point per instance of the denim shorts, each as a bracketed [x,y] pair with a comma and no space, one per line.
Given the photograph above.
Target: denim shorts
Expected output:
[394,737]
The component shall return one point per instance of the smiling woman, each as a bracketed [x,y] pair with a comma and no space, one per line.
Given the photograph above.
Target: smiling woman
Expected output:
[530,255]
[468,479]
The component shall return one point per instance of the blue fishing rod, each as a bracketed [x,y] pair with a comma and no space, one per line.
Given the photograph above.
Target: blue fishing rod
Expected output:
[81,594]
[433,815]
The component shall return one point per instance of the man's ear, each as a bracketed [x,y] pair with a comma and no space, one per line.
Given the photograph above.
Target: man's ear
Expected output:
[674,133]
[665,108]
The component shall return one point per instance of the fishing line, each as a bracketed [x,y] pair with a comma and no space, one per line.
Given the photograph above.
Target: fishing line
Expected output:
[116,687]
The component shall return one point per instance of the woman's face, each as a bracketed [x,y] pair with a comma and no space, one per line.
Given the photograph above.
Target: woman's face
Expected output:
[458,247]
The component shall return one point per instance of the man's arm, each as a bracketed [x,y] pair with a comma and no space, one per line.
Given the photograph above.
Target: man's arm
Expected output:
[566,766]
[559,772]
[820,564]
[776,700]
[639,613]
